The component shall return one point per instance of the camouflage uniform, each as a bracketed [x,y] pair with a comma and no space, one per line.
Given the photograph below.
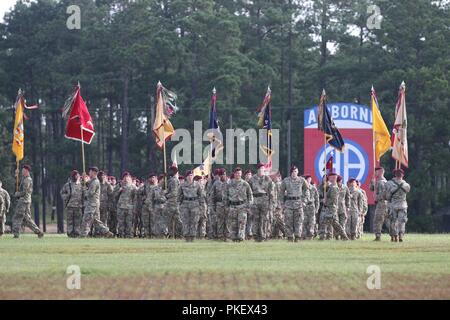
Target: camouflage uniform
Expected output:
[172,212]
[311,207]
[237,198]
[158,200]
[192,202]
[329,214]
[381,212]
[395,193]
[72,194]
[106,191]
[203,217]
[23,208]
[355,208]
[262,189]
[4,208]
[92,209]
[320,190]
[292,197]
[217,213]
[278,227]
[138,203]
[343,203]
[125,204]
[112,216]
[148,213]
[362,216]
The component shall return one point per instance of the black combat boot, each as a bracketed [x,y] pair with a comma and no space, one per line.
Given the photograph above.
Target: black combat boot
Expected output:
[377,237]
[400,237]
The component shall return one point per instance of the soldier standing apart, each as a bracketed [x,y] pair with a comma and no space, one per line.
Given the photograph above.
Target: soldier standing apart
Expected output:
[293,190]
[126,193]
[4,207]
[378,186]
[365,209]
[105,194]
[91,215]
[192,201]
[112,206]
[278,228]
[72,193]
[311,203]
[23,207]
[355,208]
[329,214]
[396,191]
[238,198]
[343,203]
[172,212]
[262,189]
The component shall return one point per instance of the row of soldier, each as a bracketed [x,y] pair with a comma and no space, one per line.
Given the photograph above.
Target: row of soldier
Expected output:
[227,207]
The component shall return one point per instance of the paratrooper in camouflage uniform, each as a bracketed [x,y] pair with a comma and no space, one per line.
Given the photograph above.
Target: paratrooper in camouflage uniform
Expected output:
[378,186]
[395,193]
[237,199]
[293,190]
[262,189]
[4,207]
[72,195]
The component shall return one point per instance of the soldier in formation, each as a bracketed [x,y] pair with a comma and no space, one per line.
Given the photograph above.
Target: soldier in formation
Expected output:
[293,194]
[378,186]
[22,214]
[5,203]
[192,200]
[190,206]
[262,189]
[72,195]
[237,198]
[395,193]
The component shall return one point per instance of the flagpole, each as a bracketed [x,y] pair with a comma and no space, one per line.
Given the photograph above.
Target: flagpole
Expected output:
[82,150]
[373,131]
[325,151]
[165,162]
[17,175]
[214,91]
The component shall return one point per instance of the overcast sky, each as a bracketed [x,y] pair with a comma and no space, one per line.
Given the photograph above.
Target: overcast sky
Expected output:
[5,5]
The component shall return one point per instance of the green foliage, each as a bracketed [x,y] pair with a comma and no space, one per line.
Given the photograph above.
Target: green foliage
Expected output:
[124,48]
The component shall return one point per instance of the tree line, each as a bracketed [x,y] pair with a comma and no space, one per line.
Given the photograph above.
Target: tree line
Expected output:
[124,48]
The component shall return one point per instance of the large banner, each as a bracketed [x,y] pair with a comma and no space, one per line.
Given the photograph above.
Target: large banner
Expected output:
[356,161]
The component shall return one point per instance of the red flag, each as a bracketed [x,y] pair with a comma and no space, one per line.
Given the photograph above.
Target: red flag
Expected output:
[78,119]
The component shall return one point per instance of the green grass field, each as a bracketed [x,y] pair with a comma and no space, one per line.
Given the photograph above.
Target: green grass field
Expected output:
[32,268]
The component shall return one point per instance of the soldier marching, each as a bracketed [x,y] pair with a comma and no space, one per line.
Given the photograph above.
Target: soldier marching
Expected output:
[191,207]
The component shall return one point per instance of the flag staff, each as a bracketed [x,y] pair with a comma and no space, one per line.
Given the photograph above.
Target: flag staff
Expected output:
[82,140]
[374,98]
[402,86]
[323,102]
[214,92]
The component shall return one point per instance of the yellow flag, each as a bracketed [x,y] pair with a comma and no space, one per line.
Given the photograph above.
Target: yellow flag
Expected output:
[162,128]
[204,168]
[18,134]
[382,137]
